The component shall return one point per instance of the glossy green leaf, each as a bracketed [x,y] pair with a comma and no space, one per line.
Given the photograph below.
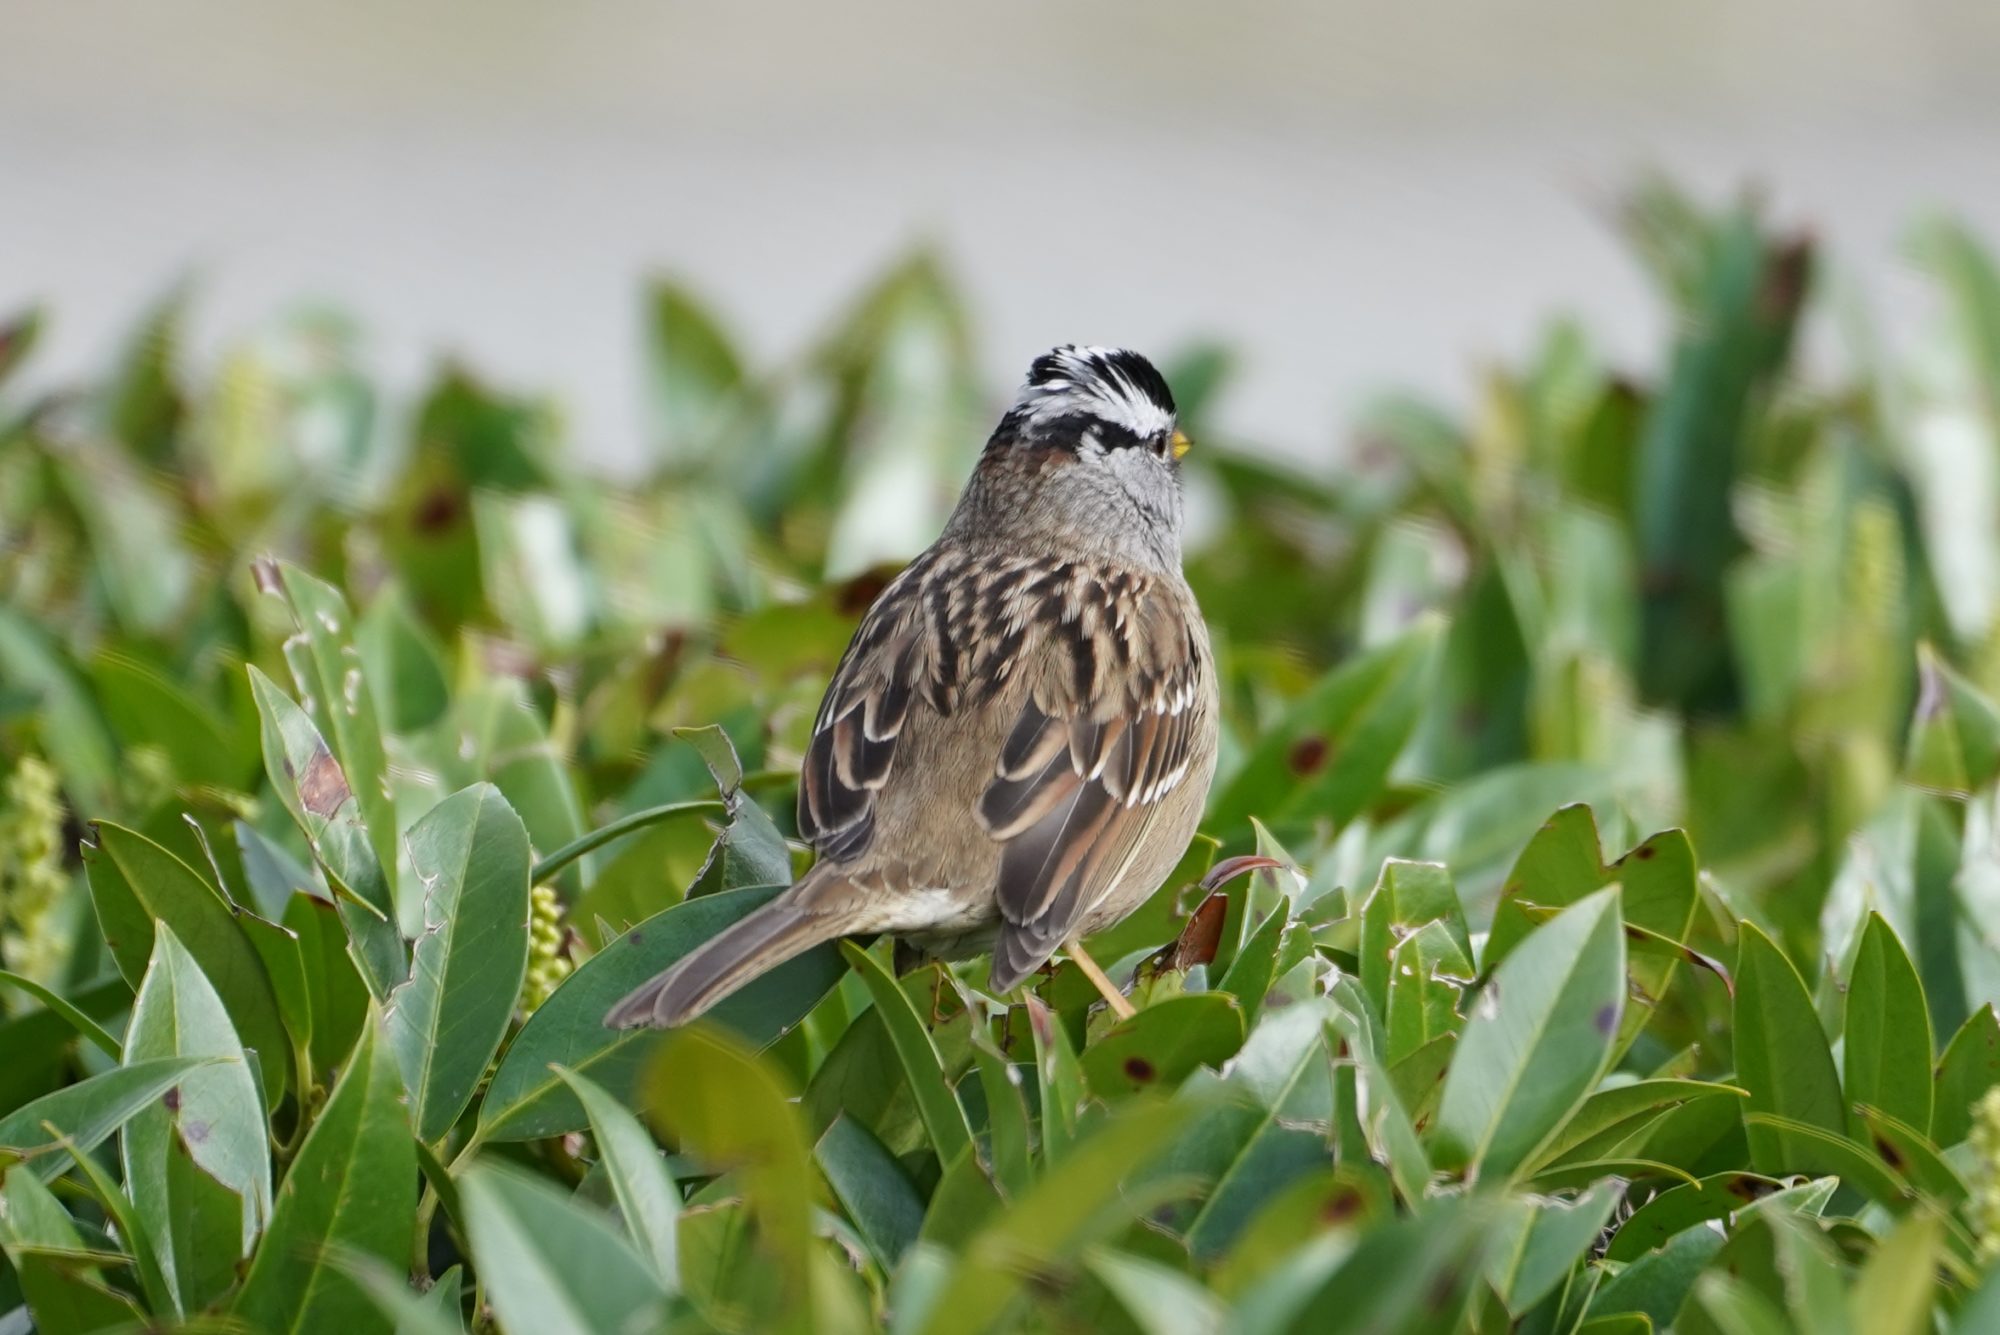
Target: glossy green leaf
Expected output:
[1552,1237]
[1284,1065]
[1782,1057]
[1895,1290]
[1886,1042]
[943,1118]
[55,1273]
[1657,1284]
[173,893]
[1415,1275]
[69,1013]
[549,1262]
[1163,1044]
[526,1100]
[1537,1040]
[352,1187]
[1407,895]
[1954,744]
[1159,1299]
[338,695]
[79,1117]
[648,1200]
[1059,1077]
[211,1127]
[1006,1142]
[1970,1066]
[403,664]
[470,853]
[723,1103]
[1048,1230]
[872,1188]
[1563,863]
[312,786]
[1677,1209]
[503,740]
[1617,1112]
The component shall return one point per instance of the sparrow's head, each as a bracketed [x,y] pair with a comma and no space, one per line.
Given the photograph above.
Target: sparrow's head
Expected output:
[1093,401]
[1090,451]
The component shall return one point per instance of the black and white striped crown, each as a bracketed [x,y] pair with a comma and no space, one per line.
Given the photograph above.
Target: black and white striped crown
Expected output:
[1113,394]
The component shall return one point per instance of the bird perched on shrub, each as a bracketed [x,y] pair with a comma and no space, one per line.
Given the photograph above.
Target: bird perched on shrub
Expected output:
[1017,744]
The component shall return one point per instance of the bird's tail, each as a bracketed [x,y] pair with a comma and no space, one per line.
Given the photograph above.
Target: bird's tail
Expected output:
[754,945]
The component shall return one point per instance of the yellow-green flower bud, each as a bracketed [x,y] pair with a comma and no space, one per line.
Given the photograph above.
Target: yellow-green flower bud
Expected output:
[1984,1208]
[548,957]
[32,880]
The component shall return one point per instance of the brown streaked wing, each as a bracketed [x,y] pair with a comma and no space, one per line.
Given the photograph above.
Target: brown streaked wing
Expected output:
[1108,732]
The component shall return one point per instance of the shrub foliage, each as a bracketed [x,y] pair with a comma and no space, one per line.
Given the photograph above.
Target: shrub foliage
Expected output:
[1596,925]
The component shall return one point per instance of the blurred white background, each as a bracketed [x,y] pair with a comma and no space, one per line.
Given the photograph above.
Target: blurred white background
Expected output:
[1355,194]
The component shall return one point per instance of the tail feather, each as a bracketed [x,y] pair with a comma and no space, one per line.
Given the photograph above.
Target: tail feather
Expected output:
[741,952]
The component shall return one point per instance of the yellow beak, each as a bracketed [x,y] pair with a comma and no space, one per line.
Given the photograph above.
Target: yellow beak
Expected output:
[1181,444]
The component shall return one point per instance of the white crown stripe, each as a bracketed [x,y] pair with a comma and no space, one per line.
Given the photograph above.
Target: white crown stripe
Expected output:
[1090,381]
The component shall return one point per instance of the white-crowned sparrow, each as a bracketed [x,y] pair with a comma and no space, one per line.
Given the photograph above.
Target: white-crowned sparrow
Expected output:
[1016,746]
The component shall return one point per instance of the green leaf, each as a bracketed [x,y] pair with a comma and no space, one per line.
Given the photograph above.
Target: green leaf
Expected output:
[70,1015]
[1657,1284]
[502,739]
[873,1189]
[432,1313]
[724,1104]
[1817,1151]
[1954,742]
[147,708]
[1006,1145]
[943,1118]
[1407,895]
[1048,1230]
[648,1201]
[1255,964]
[1970,1066]
[696,375]
[124,862]
[1910,1155]
[1562,864]
[1782,1057]
[1537,1041]
[1289,1138]
[77,1118]
[1741,304]
[209,1134]
[1611,1114]
[1160,1300]
[1680,1208]
[527,1101]
[335,995]
[1429,972]
[1414,1275]
[326,668]
[1163,1044]
[1059,1077]
[352,1188]
[402,663]
[1886,1047]
[470,853]
[1895,1291]
[1552,1237]
[1329,755]
[749,850]
[314,789]
[56,1273]
[549,1262]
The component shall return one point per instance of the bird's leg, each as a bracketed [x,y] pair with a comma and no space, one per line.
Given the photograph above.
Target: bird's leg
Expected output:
[1112,996]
